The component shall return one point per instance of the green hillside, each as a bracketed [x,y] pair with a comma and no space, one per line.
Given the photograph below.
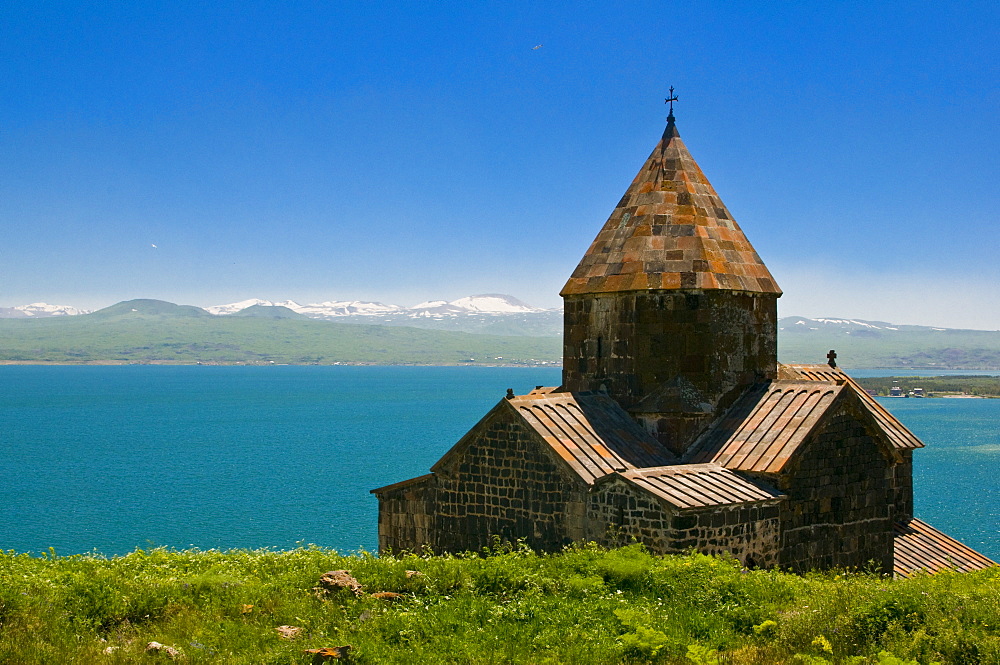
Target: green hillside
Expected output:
[153,331]
[147,307]
[583,606]
[874,344]
[141,331]
[269,312]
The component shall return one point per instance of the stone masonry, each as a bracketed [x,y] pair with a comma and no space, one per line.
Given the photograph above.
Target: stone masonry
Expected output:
[619,514]
[505,485]
[839,509]
[632,345]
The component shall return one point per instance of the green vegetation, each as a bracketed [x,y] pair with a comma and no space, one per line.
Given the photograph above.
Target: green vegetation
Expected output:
[584,605]
[155,331]
[983,386]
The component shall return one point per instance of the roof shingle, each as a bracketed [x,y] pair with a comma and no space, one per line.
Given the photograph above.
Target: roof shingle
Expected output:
[670,231]
[591,432]
[699,485]
[765,427]
[898,435]
[919,546]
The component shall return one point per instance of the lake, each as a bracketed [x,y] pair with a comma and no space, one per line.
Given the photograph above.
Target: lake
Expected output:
[111,458]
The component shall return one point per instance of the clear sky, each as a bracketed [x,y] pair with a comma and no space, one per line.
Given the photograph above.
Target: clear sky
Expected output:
[205,153]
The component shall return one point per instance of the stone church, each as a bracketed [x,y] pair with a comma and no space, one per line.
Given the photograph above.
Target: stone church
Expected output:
[675,426]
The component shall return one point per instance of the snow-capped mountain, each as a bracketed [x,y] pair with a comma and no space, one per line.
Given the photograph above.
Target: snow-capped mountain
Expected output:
[488,304]
[494,303]
[323,310]
[800,324]
[232,308]
[39,310]
[335,308]
[486,307]
[488,313]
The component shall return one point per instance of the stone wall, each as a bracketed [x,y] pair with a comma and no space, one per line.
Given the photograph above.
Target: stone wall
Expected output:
[406,520]
[838,513]
[506,484]
[619,513]
[630,344]
[902,487]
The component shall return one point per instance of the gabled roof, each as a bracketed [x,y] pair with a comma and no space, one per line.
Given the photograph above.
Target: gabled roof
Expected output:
[898,435]
[589,432]
[670,231]
[698,485]
[765,427]
[919,546]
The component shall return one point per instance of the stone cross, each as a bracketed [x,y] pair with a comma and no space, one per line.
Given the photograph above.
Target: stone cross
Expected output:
[832,358]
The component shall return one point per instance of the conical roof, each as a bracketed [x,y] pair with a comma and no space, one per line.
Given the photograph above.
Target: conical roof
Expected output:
[670,231]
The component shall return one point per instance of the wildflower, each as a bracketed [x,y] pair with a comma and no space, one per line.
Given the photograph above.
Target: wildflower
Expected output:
[823,644]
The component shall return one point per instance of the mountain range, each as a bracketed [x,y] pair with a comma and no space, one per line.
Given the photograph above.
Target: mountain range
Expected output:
[338,331]
[488,314]
[39,310]
[154,331]
[489,303]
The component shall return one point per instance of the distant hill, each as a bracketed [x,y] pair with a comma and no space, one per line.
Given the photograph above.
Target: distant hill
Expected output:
[269,312]
[869,344]
[152,331]
[489,314]
[490,328]
[146,308]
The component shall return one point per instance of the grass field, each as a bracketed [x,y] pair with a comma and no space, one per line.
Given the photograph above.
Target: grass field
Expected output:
[584,605]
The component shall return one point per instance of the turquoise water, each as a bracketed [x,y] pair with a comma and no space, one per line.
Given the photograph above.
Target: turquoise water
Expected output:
[957,476]
[114,458]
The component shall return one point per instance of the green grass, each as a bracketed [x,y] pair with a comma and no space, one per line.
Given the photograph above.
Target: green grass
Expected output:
[584,605]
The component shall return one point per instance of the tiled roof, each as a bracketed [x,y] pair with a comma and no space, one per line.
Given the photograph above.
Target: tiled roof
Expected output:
[591,432]
[670,231]
[765,427]
[899,436]
[919,546]
[699,485]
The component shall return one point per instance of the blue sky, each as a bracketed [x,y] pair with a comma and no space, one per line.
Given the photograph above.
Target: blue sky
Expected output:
[407,151]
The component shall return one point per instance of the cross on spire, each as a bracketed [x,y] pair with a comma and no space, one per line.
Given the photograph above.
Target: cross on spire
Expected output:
[670,100]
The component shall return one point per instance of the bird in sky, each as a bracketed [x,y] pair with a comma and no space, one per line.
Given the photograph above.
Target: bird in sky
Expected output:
[535,48]
[153,246]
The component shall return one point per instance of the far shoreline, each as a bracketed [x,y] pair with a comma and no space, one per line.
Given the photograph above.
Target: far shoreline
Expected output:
[214,363]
